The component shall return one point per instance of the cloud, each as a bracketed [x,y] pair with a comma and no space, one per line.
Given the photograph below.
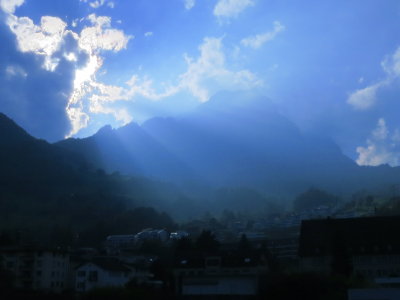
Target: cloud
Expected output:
[204,76]
[101,36]
[189,4]
[15,70]
[231,8]
[80,52]
[209,73]
[44,39]
[258,40]
[9,6]
[93,40]
[382,147]
[148,34]
[75,58]
[98,3]
[33,96]
[365,98]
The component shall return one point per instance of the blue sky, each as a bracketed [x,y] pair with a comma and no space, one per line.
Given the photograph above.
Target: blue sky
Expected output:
[333,67]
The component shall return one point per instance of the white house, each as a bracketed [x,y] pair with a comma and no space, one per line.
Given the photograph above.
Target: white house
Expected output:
[102,272]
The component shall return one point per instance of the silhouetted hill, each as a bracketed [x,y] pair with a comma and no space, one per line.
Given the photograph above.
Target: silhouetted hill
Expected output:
[11,133]
[235,139]
[50,195]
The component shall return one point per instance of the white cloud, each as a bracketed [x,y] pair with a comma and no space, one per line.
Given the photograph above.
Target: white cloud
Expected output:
[382,147]
[258,40]
[231,8]
[98,3]
[101,36]
[48,39]
[205,75]
[148,34]
[13,71]
[9,6]
[209,73]
[189,4]
[44,39]
[366,98]
[93,40]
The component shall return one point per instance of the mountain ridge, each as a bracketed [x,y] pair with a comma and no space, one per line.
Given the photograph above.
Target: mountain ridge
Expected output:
[243,144]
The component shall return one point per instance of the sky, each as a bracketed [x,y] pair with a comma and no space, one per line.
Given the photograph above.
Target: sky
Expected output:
[67,68]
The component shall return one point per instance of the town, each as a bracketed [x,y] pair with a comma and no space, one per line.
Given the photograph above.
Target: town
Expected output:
[356,251]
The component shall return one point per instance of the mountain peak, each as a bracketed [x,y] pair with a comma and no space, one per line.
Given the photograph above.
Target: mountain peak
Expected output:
[105,130]
[10,132]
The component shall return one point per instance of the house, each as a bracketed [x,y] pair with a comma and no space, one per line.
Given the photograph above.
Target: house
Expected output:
[115,243]
[104,272]
[38,269]
[152,235]
[108,272]
[368,247]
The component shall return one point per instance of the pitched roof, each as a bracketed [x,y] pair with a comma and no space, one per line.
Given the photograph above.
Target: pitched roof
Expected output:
[108,264]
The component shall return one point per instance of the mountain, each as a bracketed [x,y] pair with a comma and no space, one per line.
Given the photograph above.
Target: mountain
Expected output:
[235,139]
[50,194]
[24,158]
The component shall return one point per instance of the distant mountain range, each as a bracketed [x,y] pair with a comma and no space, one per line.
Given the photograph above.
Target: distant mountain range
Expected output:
[235,139]
[234,152]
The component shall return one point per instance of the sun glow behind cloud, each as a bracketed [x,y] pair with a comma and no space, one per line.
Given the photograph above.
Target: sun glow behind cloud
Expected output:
[204,75]
[76,64]
[93,39]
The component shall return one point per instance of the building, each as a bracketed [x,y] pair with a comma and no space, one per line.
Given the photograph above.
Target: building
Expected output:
[284,248]
[221,275]
[38,269]
[177,235]
[115,243]
[368,247]
[374,294]
[152,235]
[102,272]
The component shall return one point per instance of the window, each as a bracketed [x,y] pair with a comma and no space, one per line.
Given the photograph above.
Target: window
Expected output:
[93,276]
[81,273]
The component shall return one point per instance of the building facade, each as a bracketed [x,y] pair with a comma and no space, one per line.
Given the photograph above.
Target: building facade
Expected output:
[38,269]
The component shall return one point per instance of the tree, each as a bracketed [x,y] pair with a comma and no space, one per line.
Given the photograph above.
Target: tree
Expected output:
[313,198]
[244,246]
[207,242]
